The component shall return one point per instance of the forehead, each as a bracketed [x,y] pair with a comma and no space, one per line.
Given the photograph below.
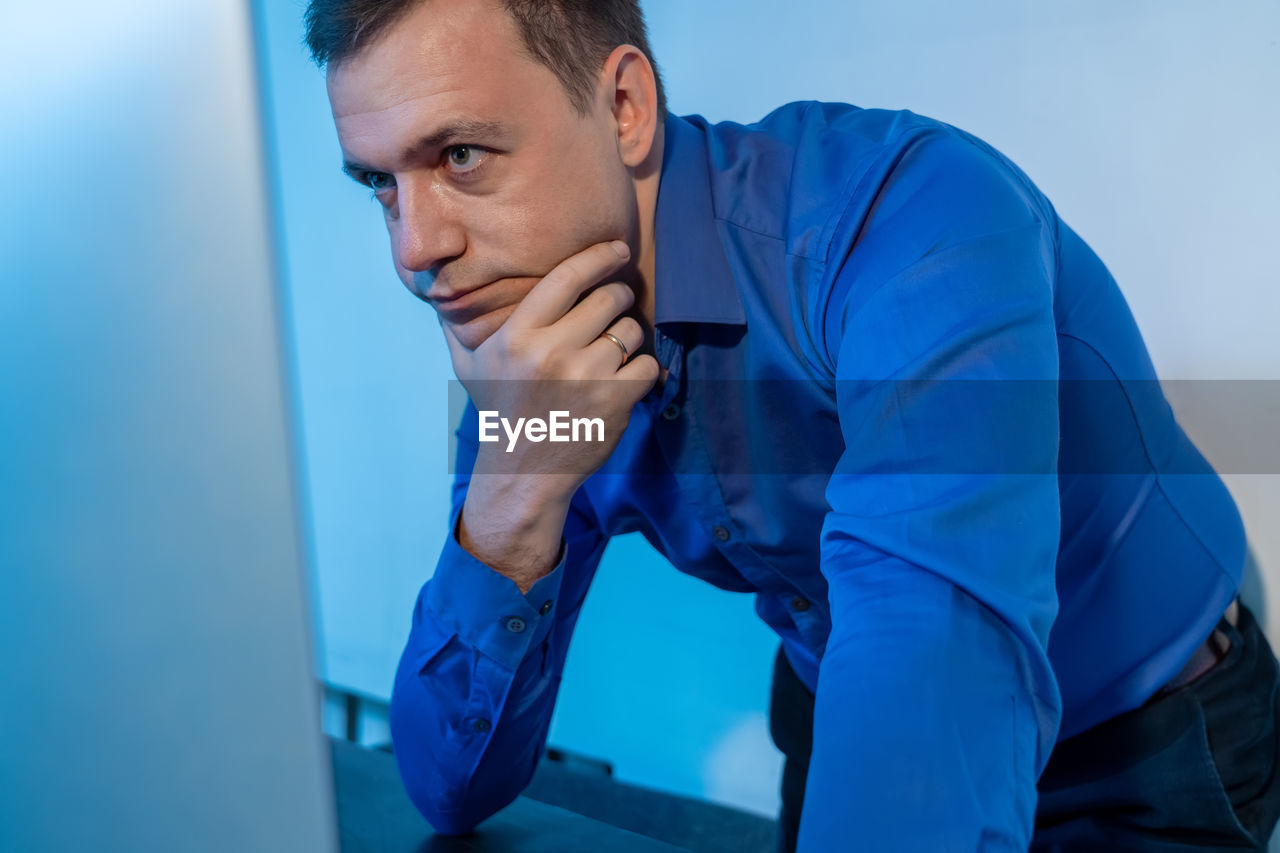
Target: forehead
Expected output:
[444,61]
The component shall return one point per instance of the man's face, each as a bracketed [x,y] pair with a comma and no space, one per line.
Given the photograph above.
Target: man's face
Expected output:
[487,175]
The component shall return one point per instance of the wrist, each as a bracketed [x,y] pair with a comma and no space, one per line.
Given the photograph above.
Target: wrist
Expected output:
[513,528]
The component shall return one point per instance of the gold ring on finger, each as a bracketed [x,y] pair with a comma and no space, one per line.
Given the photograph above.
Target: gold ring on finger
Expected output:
[625,355]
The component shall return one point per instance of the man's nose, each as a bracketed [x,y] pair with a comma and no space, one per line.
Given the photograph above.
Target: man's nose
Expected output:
[428,231]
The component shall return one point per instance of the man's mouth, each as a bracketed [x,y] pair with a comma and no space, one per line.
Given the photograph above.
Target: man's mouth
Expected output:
[464,306]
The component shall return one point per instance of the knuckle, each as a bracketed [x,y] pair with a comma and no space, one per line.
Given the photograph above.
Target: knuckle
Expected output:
[541,361]
[624,295]
[648,366]
[501,346]
[570,272]
[556,279]
[628,329]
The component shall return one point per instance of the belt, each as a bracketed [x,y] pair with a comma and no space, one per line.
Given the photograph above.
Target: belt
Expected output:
[1205,657]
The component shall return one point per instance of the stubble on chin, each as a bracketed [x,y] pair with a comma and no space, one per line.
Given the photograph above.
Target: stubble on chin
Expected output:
[475,332]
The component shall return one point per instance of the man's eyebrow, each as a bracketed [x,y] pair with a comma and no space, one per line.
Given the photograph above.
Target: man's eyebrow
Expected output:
[459,131]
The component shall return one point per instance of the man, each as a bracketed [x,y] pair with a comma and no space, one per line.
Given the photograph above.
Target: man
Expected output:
[849,360]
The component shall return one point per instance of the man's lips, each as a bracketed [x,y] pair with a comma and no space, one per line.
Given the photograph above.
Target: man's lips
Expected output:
[464,306]
[468,305]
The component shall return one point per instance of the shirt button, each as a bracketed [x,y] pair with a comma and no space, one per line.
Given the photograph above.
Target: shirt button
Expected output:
[671,412]
[799,604]
[721,532]
[515,624]
[481,726]
[545,608]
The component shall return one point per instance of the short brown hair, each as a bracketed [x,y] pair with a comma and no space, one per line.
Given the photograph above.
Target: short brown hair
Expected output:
[570,37]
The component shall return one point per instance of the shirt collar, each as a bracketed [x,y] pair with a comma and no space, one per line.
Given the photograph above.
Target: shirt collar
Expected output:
[693,282]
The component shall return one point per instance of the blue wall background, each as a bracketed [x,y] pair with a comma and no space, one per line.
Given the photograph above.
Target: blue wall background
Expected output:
[1151,124]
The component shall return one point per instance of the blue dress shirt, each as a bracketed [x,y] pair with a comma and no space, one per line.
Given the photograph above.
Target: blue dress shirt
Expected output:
[907,408]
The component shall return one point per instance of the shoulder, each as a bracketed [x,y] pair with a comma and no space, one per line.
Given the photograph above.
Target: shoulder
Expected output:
[811,172]
[784,175]
[847,199]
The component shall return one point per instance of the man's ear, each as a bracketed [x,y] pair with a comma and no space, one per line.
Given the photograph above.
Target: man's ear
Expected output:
[629,82]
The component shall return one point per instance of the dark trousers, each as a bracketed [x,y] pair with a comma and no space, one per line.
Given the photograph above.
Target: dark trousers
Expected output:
[1197,768]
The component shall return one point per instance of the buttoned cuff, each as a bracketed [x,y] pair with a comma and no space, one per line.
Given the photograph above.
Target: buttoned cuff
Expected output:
[486,609]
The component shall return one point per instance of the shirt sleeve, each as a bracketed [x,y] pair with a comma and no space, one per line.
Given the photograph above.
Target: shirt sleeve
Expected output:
[478,677]
[936,707]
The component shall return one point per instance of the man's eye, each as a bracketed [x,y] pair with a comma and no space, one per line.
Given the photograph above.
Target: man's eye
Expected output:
[379,181]
[464,158]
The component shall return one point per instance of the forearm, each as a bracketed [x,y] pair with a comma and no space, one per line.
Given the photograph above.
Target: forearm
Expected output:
[925,731]
[476,684]
[468,732]
[514,524]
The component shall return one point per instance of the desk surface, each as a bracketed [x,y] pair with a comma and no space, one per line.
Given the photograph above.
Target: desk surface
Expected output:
[375,815]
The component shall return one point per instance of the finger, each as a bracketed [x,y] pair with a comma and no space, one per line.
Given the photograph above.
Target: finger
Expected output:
[643,369]
[586,320]
[630,332]
[551,298]
[629,335]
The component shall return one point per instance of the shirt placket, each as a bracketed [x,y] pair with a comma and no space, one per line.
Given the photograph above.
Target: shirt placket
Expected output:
[713,514]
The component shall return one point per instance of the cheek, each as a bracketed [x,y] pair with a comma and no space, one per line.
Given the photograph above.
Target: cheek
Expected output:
[578,195]
[585,207]
[612,193]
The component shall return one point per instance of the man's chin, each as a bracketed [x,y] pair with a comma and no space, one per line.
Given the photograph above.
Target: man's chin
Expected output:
[473,333]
